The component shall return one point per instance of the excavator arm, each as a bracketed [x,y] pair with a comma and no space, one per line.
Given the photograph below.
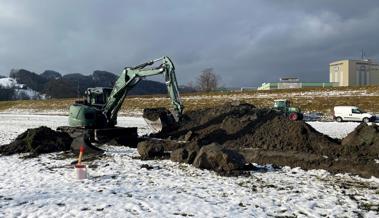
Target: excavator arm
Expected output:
[131,76]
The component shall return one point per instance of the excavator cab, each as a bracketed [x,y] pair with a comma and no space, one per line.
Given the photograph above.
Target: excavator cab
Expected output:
[88,112]
[98,96]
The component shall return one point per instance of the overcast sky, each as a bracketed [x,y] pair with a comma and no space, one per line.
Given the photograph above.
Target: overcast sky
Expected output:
[246,42]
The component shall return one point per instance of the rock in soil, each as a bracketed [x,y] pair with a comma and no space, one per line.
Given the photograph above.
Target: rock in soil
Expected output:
[38,141]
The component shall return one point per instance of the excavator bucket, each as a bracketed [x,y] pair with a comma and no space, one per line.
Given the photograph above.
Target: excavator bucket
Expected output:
[155,126]
[159,119]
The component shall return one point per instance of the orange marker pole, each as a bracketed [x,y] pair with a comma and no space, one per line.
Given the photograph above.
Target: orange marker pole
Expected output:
[81,151]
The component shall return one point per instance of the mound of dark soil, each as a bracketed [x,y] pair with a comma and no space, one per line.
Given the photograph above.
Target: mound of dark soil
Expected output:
[38,141]
[362,142]
[219,124]
[265,136]
[281,134]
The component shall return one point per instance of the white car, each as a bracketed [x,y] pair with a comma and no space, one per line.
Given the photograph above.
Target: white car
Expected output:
[352,113]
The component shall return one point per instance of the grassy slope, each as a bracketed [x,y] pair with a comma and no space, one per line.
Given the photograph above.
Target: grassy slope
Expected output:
[316,100]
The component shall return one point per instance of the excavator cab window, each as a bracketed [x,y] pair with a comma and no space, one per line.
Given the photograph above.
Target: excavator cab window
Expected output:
[97,96]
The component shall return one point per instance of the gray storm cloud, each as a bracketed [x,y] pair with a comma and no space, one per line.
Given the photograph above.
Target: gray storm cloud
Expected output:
[246,42]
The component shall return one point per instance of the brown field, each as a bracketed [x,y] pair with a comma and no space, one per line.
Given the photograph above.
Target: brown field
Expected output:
[309,100]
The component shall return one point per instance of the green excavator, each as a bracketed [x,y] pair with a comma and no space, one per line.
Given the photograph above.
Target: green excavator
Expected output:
[94,118]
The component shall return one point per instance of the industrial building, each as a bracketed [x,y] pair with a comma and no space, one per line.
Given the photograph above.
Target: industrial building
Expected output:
[294,83]
[354,72]
[341,73]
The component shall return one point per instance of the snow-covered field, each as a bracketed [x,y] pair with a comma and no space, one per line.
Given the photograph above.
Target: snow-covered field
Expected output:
[21,91]
[119,187]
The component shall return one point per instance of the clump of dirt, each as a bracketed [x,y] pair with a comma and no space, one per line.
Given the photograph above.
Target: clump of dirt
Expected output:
[38,141]
[150,150]
[263,136]
[218,158]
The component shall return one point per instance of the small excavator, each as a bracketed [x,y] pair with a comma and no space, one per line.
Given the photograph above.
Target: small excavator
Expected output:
[94,118]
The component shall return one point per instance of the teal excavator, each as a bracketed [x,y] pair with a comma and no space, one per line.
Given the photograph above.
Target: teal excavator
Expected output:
[95,116]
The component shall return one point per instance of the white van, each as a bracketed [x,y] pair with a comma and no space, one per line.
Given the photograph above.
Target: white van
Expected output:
[352,113]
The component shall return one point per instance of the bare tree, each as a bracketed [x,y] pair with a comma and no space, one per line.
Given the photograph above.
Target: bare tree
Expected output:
[207,80]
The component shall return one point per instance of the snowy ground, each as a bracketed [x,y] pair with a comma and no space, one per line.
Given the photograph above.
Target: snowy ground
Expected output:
[334,129]
[119,187]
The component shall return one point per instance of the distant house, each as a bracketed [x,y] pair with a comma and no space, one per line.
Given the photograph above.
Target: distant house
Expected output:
[354,72]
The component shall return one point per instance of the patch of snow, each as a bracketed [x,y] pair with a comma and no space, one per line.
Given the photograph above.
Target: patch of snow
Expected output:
[10,83]
[119,187]
[334,129]
[21,90]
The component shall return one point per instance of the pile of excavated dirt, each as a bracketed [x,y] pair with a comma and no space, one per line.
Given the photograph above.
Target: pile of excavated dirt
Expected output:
[38,141]
[265,136]
[299,145]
